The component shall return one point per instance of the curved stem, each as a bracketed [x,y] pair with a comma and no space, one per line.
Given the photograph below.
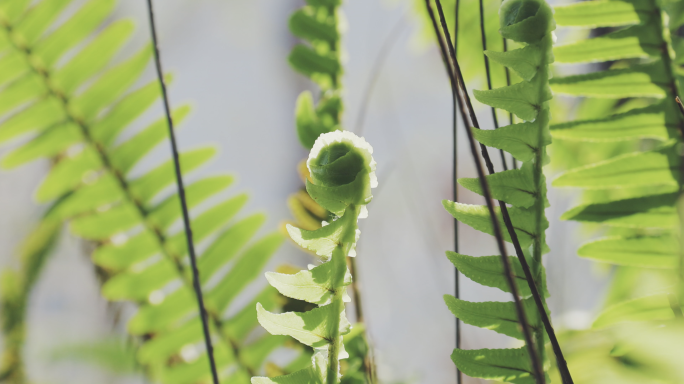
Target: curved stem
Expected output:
[454,183]
[338,270]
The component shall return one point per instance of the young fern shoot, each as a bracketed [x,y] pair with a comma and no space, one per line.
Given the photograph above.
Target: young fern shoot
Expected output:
[342,174]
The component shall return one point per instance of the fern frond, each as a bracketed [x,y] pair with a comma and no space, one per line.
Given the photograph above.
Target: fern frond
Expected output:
[529,23]
[74,110]
[319,24]
[635,191]
[342,173]
[638,197]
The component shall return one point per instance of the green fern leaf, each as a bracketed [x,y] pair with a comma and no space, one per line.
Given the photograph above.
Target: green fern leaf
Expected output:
[488,271]
[500,317]
[656,211]
[640,81]
[633,42]
[126,155]
[653,307]
[515,187]
[305,24]
[94,57]
[520,140]
[643,251]
[654,122]
[631,170]
[523,61]
[509,365]
[314,286]
[602,13]
[477,216]
[247,268]
[313,328]
[523,99]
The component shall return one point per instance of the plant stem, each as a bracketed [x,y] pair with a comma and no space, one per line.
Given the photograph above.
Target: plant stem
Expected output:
[454,183]
[562,365]
[483,37]
[182,198]
[338,270]
[538,371]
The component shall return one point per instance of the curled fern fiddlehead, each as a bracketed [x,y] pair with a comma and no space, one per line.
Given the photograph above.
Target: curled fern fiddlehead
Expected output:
[529,22]
[342,175]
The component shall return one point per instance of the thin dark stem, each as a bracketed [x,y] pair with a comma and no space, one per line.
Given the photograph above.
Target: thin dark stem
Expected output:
[562,365]
[454,183]
[488,73]
[538,371]
[508,83]
[378,64]
[181,195]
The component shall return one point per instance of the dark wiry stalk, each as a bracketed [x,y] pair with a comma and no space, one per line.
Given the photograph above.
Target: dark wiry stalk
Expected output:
[562,365]
[454,183]
[483,37]
[538,371]
[181,196]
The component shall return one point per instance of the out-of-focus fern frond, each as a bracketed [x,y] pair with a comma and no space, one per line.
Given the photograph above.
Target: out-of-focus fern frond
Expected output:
[634,192]
[59,90]
[629,168]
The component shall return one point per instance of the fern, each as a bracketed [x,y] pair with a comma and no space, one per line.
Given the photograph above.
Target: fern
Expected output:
[75,111]
[630,177]
[530,23]
[342,175]
[319,25]
[634,193]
